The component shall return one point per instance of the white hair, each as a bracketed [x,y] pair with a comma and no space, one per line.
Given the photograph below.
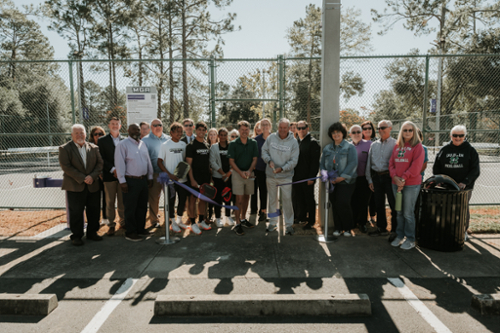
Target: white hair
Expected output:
[388,122]
[284,120]
[234,131]
[459,128]
[78,126]
[354,126]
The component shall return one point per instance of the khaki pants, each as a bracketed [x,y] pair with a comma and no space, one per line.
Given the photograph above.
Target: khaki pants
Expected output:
[154,194]
[113,190]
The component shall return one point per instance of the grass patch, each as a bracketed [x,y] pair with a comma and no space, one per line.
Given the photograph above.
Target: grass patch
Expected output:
[485,219]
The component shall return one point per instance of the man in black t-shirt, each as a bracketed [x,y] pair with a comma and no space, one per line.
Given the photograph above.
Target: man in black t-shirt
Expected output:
[198,156]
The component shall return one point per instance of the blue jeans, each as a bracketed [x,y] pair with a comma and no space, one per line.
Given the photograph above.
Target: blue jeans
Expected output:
[406,217]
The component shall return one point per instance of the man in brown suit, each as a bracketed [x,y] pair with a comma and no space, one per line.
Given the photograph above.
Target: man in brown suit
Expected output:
[81,163]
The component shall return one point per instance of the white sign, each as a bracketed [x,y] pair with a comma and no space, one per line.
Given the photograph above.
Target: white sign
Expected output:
[142,104]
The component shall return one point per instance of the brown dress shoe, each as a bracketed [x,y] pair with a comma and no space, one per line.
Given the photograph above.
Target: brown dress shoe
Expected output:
[111,231]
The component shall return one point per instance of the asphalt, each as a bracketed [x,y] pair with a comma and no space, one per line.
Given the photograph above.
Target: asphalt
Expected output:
[219,263]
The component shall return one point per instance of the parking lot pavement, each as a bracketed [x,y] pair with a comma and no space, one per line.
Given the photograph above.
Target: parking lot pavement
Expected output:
[111,286]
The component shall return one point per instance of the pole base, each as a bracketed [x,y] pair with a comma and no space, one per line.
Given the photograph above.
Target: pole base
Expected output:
[326,239]
[165,241]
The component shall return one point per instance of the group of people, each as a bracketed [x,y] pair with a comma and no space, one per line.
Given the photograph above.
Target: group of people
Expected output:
[258,167]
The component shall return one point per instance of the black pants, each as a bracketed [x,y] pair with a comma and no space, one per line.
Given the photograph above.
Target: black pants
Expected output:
[180,193]
[360,200]
[383,187]
[220,185]
[341,205]
[79,202]
[305,209]
[103,195]
[136,205]
[373,206]
[261,186]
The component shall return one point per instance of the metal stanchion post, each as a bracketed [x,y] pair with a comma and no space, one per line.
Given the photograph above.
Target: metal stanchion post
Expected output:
[325,238]
[167,240]
[281,228]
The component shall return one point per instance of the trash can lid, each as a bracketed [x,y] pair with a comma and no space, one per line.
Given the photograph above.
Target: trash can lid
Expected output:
[442,183]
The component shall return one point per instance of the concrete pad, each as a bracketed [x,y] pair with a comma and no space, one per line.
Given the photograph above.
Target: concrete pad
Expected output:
[488,304]
[27,304]
[263,305]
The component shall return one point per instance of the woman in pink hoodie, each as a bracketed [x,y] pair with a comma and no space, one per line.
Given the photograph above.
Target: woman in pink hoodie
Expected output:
[405,166]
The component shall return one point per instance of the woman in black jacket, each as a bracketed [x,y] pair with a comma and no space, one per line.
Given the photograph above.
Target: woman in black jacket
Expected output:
[460,161]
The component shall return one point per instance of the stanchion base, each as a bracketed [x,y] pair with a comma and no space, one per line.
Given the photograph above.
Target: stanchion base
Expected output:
[164,241]
[326,239]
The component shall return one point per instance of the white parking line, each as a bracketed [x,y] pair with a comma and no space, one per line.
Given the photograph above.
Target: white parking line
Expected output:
[420,307]
[109,307]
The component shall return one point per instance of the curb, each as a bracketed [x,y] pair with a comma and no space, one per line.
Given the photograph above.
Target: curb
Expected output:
[27,304]
[347,305]
[487,304]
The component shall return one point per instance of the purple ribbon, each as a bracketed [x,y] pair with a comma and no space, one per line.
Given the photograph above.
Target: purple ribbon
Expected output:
[276,214]
[165,179]
[328,176]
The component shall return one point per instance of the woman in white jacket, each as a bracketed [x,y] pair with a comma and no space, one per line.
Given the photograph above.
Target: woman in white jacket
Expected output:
[221,174]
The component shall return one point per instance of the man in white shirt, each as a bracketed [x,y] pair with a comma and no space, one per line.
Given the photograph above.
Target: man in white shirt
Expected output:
[171,154]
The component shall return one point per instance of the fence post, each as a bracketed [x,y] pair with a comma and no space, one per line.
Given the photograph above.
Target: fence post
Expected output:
[280,84]
[426,92]
[70,63]
[212,90]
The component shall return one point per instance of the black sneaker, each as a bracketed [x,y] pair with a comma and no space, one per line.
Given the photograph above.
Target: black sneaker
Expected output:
[133,237]
[239,230]
[392,236]
[77,242]
[262,217]
[94,237]
[246,224]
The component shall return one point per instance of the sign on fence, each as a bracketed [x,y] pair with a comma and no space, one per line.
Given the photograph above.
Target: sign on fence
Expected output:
[141,104]
[433,105]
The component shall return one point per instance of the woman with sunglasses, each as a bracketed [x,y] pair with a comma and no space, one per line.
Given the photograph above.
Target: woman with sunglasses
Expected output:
[405,165]
[213,138]
[233,135]
[362,193]
[95,133]
[459,160]
[369,134]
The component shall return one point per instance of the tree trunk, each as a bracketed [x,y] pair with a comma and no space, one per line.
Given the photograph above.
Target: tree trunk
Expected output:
[171,70]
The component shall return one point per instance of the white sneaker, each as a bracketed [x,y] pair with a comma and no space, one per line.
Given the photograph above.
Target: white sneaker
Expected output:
[229,220]
[336,233]
[218,223]
[397,242]
[182,225]
[175,227]
[347,234]
[195,229]
[178,220]
[466,238]
[203,225]
[408,245]
[104,222]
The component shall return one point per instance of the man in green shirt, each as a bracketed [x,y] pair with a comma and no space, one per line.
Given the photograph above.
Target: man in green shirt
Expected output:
[242,156]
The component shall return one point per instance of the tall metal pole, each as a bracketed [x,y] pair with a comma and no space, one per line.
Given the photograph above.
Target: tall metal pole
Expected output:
[167,240]
[212,90]
[263,93]
[438,98]
[280,84]
[80,111]
[72,91]
[330,83]
[426,99]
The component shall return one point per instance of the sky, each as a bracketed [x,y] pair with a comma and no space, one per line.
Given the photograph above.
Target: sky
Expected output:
[264,24]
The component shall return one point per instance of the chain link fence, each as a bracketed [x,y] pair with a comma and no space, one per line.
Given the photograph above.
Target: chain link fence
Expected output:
[40,100]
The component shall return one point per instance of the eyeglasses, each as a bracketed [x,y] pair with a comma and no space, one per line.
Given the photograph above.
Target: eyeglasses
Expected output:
[408,130]
[382,128]
[188,125]
[458,135]
[301,128]
[367,128]
[157,125]
[355,132]
[98,134]
[234,136]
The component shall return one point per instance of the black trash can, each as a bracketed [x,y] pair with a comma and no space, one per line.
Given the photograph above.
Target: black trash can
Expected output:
[441,217]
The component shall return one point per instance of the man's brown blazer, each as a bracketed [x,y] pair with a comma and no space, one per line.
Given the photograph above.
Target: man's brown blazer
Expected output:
[74,171]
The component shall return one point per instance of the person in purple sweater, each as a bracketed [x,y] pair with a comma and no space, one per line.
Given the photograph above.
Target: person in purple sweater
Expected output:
[362,193]
[404,167]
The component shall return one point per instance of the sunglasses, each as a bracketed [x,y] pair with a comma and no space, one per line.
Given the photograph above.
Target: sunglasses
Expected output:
[234,136]
[98,134]
[301,128]
[157,125]
[355,132]
[382,128]
[458,135]
[408,130]
[188,125]
[367,128]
